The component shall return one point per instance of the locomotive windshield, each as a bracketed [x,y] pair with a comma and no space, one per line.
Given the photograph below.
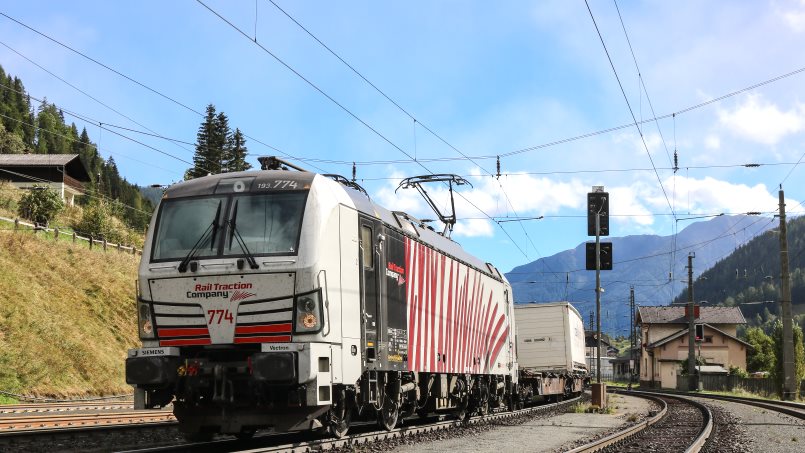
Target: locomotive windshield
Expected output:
[266,223]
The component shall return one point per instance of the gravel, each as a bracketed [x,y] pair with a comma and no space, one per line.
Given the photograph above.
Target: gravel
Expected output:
[757,429]
[543,432]
[673,433]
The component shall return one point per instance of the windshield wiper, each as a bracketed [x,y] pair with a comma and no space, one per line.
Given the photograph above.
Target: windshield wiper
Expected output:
[213,229]
[233,231]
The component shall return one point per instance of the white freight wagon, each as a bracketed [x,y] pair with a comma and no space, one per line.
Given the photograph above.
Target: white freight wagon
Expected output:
[550,338]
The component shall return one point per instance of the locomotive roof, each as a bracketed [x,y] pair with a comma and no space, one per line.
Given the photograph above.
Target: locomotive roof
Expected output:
[408,225]
[207,185]
[264,179]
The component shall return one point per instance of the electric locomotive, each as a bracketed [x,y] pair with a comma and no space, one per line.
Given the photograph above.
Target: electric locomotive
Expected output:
[289,300]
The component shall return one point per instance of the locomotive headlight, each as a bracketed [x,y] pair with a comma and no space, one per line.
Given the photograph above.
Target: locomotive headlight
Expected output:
[307,312]
[144,321]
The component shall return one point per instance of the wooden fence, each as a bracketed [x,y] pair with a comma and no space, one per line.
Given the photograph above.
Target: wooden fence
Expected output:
[20,225]
[723,383]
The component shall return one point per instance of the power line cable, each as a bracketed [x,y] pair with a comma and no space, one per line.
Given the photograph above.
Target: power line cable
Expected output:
[154,133]
[628,104]
[98,195]
[345,109]
[403,110]
[150,165]
[136,82]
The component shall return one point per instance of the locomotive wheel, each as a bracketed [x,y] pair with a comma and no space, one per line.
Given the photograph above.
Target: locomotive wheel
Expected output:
[198,436]
[246,434]
[340,416]
[388,414]
[483,409]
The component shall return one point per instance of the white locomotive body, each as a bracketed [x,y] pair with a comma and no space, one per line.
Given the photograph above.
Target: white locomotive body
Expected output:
[286,299]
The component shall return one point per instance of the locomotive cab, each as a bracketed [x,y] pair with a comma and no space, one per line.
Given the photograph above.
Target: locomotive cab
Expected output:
[233,306]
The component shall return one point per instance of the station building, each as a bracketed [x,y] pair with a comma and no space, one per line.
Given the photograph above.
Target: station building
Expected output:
[664,342]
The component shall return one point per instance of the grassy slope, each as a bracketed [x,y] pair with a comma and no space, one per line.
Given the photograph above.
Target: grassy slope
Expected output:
[67,316]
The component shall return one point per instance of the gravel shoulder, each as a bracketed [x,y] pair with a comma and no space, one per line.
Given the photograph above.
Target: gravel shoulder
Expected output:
[557,433]
[766,431]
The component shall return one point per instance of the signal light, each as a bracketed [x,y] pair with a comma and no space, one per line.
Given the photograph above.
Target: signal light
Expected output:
[598,203]
[699,332]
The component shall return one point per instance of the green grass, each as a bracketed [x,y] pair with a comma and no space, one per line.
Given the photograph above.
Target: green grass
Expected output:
[67,317]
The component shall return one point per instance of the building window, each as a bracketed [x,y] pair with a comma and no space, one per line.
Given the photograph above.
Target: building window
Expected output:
[708,339]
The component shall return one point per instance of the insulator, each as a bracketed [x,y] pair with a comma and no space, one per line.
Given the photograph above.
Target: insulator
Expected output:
[353,172]
[676,161]
[498,174]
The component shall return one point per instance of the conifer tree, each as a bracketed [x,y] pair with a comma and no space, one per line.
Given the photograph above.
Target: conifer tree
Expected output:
[238,152]
[205,141]
[218,150]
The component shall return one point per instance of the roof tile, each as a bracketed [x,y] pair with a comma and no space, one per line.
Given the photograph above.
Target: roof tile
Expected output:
[676,315]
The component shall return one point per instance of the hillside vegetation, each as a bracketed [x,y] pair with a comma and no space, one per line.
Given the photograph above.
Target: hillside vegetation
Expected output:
[750,277]
[67,316]
[40,128]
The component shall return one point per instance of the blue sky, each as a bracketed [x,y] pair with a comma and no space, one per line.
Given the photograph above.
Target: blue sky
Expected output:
[489,78]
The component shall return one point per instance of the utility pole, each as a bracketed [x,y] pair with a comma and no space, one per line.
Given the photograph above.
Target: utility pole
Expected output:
[633,340]
[592,325]
[789,386]
[598,294]
[692,385]
[598,225]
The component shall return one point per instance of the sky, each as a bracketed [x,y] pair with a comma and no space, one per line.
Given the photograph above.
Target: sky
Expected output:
[413,88]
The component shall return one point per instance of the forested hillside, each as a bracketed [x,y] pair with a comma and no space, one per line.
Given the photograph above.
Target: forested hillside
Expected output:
[41,128]
[750,276]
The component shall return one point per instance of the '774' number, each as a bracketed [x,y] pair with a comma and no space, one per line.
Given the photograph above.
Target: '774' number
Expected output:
[222,315]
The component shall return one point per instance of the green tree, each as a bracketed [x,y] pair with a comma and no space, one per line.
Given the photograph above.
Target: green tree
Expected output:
[10,143]
[684,364]
[799,354]
[236,159]
[96,221]
[40,205]
[760,357]
[208,156]
[218,150]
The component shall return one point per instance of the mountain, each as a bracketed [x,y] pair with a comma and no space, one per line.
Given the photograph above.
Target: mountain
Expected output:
[750,277]
[646,262]
[152,194]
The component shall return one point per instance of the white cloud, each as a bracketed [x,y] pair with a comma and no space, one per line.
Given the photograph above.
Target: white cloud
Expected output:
[710,195]
[474,228]
[712,142]
[794,17]
[762,121]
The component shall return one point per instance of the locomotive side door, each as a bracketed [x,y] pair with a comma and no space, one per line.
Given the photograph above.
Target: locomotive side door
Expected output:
[371,272]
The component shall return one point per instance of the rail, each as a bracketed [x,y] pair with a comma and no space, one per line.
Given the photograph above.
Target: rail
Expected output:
[632,431]
[791,408]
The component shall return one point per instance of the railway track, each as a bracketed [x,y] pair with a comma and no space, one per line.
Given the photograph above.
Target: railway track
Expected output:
[62,421]
[36,408]
[681,425]
[796,410]
[363,437]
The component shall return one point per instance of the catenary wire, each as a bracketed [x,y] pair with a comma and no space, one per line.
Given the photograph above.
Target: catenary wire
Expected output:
[628,104]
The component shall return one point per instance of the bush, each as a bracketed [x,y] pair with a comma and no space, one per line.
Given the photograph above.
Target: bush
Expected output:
[40,205]
[738,371]
[97,221]
[8,196]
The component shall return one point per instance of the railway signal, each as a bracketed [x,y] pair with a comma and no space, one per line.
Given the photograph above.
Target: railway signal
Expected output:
[598,203]
[699,333]
[605,256]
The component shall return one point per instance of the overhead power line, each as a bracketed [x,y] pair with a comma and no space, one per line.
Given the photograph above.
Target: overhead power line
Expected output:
[628,104]
[345,109]
[136,82]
